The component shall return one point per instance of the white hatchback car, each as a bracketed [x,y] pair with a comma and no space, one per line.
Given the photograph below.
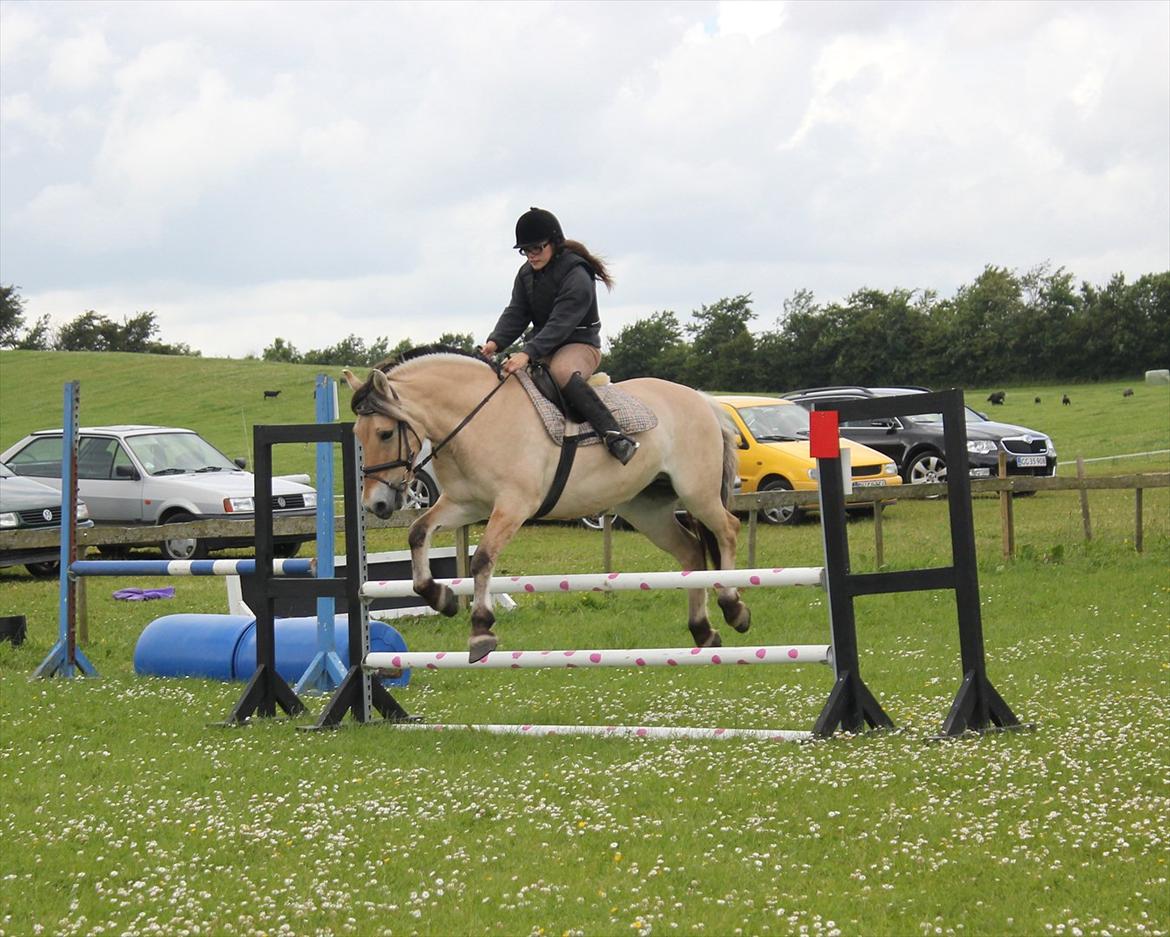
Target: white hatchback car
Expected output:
[133,474]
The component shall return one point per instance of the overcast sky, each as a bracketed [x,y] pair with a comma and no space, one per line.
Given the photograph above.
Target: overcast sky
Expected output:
[304,170]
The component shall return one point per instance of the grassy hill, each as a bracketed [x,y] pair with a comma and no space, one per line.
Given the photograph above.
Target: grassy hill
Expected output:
[219,398]
[223,398]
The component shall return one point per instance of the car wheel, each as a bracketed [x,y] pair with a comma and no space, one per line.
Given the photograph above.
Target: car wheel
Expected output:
[182,548]
[785,514]
[46,570]
[422,493]
[926,467]
[286,551]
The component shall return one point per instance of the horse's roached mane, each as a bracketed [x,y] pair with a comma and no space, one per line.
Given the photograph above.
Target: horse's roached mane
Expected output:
[423,350]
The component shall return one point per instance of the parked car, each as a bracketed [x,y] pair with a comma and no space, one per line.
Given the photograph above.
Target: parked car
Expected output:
[423,490]
[774,453]
[132,474]
[26,504]
[916,442]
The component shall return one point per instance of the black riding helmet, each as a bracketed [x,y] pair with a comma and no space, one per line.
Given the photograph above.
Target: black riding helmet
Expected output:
[536,226]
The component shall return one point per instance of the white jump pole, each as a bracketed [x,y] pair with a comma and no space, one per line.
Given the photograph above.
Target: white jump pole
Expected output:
[614,582]
[391,661]
[648,732]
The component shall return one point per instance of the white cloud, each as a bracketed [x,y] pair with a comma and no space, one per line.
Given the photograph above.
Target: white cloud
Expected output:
[248,169]
[751,18]
[21,32]
[80,61]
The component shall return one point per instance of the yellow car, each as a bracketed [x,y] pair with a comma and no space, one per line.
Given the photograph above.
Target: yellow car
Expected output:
[773,453]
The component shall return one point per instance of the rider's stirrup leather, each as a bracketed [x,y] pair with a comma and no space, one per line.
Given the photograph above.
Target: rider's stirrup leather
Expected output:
[620,446]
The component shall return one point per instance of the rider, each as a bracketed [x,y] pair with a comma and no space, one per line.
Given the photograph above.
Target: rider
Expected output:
[555,291]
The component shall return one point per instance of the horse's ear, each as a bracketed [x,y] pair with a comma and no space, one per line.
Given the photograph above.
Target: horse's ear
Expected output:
[351,379]
[381,383]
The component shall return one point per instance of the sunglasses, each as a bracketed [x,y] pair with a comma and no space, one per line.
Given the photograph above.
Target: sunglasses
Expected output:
[533,250]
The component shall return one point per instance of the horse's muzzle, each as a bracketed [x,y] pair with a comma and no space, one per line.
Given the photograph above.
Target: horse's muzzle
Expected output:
[384,502]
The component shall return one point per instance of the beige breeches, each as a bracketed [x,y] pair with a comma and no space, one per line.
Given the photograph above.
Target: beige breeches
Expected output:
[575,356]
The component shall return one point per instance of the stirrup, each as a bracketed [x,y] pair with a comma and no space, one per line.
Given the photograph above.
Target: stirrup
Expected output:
[620,446]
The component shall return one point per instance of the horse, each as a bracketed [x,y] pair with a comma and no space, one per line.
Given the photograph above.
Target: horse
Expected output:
[496,462]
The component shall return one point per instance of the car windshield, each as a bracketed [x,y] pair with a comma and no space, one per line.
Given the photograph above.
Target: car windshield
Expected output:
[972,417]
[775,422]
[178,453]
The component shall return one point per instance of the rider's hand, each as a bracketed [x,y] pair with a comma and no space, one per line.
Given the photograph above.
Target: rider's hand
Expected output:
[516,362]
[488,348]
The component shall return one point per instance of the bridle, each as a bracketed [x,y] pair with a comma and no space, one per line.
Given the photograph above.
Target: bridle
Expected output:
[369,408]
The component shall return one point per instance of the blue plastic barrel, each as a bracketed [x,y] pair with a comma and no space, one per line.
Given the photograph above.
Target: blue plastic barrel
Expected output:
[191,646]
[223,647]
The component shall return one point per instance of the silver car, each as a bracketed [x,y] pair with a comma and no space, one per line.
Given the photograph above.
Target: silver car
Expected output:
[133,474]
[26,504]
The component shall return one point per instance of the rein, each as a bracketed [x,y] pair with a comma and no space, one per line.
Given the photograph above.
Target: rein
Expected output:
[403,426]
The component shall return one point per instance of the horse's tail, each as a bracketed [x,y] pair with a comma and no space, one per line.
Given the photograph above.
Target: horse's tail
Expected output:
[730,456]
[727,485]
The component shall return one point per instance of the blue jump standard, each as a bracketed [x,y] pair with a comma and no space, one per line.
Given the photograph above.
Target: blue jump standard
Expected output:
[187,567]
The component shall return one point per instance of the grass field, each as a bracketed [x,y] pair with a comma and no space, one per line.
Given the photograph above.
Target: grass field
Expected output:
[123,812]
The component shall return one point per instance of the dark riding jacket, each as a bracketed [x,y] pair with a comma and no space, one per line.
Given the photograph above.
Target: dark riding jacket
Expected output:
[560,302]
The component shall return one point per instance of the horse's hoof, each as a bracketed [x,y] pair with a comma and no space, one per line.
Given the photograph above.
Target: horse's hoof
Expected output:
[448,602]
[479,646]
[713,640]
[736,614]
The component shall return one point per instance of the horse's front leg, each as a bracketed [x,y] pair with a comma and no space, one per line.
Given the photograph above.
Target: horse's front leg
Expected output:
[438,597]
[501,527]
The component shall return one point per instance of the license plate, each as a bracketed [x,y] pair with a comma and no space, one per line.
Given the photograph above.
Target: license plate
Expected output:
[870,483]
[1031,461]
[980,473]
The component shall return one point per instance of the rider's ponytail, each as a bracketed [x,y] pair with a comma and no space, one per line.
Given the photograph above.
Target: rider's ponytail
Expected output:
[600,272]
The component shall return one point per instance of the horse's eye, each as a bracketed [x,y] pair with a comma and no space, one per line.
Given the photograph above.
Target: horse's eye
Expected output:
[386,435]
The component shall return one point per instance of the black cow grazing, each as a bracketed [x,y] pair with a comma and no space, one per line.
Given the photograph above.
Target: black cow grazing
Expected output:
[1037,400]
[996,397]
[1065,400]
[1128,392]
[271,393]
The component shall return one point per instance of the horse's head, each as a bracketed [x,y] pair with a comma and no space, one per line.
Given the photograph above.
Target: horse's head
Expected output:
[389,442]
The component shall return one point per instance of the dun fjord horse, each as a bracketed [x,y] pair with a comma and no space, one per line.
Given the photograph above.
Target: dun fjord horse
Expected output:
[500,464]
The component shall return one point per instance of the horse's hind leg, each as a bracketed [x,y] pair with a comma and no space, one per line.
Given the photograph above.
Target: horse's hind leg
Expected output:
[655,518]
[501,527]
[721,535]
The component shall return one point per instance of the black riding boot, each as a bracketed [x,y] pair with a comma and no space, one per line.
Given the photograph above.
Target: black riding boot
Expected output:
[583,398]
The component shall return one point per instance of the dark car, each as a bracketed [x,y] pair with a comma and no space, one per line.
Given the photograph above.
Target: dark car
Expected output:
[26,504]
[916,442]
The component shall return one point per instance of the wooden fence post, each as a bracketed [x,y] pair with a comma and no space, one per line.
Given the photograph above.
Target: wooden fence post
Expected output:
[1085,519]
[607,542]
[462,560]
[753,525]
[82,611]
[879,542]
[1006,517]
[1137,518]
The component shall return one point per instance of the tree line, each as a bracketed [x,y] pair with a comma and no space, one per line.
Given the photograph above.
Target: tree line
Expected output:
[89,331]
[1005,326]
[1038,325]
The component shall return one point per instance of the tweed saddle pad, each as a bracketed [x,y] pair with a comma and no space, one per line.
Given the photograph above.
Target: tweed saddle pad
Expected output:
[631,414]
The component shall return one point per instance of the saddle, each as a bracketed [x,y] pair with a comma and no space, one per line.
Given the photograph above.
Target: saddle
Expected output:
[561,423]
[568,431]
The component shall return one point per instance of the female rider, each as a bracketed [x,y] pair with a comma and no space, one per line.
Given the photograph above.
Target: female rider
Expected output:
[555,292]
